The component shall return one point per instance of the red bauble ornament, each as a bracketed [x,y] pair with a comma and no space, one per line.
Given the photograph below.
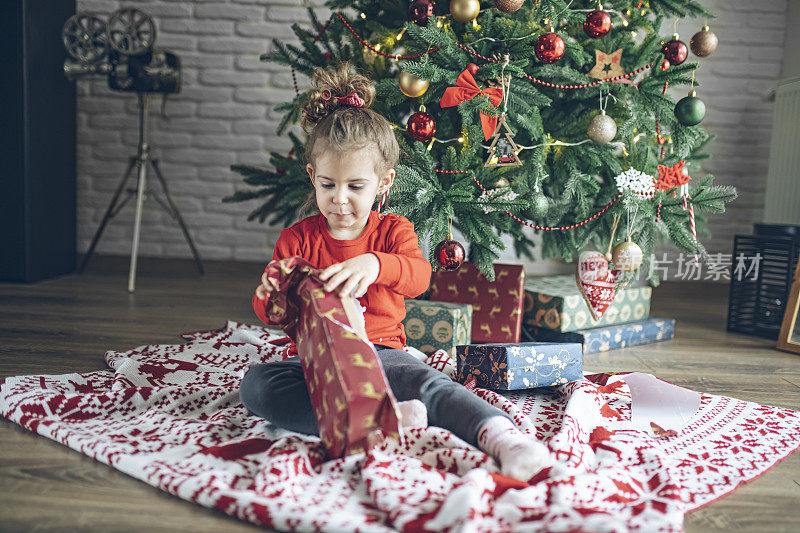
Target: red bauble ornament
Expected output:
[421,126]
[675,51]
[597,24]
[549,47]
[449,254]
[472,68]
[419,11]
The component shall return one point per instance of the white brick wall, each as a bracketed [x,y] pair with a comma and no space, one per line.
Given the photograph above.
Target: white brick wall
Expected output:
[224,115]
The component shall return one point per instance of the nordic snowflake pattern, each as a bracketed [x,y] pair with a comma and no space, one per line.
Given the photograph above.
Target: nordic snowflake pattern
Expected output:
[202,445]
[636,181]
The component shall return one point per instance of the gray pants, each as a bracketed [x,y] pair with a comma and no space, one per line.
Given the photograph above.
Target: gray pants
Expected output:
[277,392]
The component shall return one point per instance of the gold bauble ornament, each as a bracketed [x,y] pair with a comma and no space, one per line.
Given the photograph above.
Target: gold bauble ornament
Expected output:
[602,128]
[411,85]
[508,6]
[465,10]
[627,256]
[501,183]
[704,42]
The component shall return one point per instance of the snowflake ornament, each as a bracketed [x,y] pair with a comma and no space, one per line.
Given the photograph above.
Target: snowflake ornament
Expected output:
[488,200]
[636,181]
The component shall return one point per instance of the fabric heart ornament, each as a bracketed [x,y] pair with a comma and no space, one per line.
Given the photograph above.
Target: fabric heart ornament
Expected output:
[598,283]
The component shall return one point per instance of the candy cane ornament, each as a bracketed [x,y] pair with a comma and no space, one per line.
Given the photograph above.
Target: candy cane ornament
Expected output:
[687,206]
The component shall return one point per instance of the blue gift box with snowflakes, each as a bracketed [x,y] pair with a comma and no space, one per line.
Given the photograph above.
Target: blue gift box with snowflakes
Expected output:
[611,337]
[522,365]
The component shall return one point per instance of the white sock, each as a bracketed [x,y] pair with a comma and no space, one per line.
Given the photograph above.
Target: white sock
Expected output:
[520,456]
[413,414]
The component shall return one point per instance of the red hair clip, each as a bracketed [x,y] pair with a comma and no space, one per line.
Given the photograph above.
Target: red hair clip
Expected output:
[351,99]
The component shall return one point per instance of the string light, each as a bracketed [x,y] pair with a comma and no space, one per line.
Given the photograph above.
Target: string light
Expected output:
[503,40]
[625,22]
[633,34]
[400,35]
[444,141]
[363,16]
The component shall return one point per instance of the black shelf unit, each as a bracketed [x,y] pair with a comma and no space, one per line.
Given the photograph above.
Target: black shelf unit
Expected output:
[37,143]
[757,303]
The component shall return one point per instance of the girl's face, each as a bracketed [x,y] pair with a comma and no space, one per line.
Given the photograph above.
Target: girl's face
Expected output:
[346,186]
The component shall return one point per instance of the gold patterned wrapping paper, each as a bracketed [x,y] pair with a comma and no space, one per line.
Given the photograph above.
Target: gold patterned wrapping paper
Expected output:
[351,398]
[496,305]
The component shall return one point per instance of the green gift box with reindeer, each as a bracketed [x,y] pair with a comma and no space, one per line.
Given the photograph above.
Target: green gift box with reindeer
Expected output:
[496,305]
[432,326]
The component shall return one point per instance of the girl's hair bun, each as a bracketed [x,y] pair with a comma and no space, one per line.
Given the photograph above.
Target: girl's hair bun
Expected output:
[331,87]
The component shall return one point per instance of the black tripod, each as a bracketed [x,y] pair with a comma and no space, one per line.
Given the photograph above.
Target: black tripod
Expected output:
[140,160]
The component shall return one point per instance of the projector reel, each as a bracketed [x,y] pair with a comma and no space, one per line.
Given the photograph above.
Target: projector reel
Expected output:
[131,32]
[85,38]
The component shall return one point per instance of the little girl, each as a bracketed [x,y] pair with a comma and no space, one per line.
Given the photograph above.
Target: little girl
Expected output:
[351,154]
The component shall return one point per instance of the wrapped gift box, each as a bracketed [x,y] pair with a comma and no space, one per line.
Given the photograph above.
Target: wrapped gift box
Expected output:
[349,392]
[496,305]
[555,302]
[432,326]
[607,338]
[523,365]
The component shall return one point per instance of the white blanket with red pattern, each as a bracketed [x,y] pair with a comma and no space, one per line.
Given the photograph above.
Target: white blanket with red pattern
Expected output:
[170,415]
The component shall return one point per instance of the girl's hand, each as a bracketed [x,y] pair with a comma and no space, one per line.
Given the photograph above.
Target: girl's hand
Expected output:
[353,276]
[265,289]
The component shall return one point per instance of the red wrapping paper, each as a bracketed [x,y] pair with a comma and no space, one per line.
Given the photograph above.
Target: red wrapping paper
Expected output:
[496,305]
[351,398]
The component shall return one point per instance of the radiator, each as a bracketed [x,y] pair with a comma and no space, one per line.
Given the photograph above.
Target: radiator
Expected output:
[782,202]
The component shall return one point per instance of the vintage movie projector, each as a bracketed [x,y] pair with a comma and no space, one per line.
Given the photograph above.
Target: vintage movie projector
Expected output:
[122,49]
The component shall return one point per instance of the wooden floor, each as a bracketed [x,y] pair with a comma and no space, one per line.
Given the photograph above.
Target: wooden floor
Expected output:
[66,324]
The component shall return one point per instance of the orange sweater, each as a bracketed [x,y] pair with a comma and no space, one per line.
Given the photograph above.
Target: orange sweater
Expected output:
[404,272]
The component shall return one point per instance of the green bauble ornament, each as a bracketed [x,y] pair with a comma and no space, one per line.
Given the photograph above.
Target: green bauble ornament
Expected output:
[539,206]
[690,110]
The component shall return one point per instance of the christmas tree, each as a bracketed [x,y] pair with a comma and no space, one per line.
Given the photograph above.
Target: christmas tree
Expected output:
[515,114]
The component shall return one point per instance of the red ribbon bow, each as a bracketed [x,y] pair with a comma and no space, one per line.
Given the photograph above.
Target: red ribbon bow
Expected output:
[351,99]
[466,89]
